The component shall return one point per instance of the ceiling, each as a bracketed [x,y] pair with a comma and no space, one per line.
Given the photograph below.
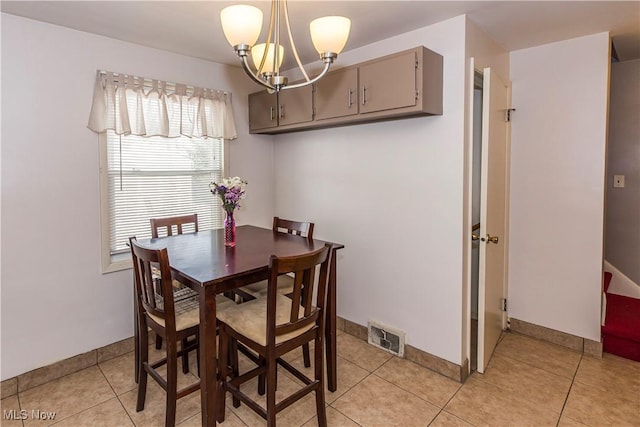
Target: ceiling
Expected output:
[193,27]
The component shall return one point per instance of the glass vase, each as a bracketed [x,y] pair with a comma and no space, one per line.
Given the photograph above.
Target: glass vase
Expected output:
[229,230]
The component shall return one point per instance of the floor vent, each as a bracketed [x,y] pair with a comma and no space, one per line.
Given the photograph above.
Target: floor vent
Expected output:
[386,338]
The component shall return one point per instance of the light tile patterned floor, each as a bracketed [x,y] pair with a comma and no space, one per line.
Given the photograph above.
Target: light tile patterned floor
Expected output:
[528,383]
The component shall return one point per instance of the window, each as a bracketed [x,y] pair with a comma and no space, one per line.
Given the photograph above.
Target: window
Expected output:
[161,145]
[143,178]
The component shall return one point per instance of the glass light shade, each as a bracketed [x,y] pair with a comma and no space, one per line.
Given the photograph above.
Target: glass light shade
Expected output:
[330,33]
[241,24]
[258,51]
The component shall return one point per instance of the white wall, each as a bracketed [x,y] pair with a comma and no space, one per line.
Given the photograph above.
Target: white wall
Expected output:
[392,192]
[560,92]
[622,222]
[55,302]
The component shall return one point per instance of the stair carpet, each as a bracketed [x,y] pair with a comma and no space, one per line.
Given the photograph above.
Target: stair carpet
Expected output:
[621,330]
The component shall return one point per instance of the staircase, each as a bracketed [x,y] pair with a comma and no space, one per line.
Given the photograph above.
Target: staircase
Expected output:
[621,330]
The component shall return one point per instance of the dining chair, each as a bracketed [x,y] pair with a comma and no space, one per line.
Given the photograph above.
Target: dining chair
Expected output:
[170,319]
[297,228]
[168,226]
[180,292]
[285,282]
[272,326]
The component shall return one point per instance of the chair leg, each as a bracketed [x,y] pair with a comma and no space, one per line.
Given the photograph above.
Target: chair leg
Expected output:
[261,377]
[198,352]
[158,342]
[235,366]
[233,358]
[143,346]
[305,355]
[172,383]
[185,357]
[271,392]
[136,346]
[319,376]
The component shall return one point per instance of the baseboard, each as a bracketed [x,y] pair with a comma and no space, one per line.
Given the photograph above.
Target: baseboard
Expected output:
[443,367]
[59,369]
[573,342]
[31,379]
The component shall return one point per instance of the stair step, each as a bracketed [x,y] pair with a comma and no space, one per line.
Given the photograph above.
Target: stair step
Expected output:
[607,280]
[621,331]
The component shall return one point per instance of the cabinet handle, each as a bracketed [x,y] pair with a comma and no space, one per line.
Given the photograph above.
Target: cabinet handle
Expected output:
[350,103]
[271,113]
[364,95]
[282,112]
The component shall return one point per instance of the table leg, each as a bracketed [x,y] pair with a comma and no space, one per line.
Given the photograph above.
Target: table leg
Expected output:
[208,356]
[330,328]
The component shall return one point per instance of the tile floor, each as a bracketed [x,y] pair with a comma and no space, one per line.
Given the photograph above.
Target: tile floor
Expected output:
[528,383]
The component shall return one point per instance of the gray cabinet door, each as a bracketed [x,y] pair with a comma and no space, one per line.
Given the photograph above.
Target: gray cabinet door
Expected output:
[389,83]
[337,94]
[295,105]
[263,112]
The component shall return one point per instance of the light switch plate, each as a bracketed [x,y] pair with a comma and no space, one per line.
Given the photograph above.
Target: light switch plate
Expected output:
[618,181]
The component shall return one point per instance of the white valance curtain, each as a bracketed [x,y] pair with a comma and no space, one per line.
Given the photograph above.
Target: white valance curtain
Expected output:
[131,105]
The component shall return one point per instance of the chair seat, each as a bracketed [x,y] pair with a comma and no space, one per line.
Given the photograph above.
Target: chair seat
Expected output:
[250,319]
[188,311]
[259,289]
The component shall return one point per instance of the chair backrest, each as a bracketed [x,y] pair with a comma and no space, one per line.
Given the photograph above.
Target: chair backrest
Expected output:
[145,262]
[298,228]
[303,267]
[174,221]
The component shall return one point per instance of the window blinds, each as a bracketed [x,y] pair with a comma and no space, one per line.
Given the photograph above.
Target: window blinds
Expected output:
[159,177]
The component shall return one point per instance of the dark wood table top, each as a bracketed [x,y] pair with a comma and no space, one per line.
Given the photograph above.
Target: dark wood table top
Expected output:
[202,259]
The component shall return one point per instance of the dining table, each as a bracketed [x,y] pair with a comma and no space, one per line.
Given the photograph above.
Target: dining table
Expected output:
[202,262]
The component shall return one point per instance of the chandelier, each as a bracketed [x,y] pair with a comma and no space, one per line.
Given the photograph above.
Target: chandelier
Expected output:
[242,25]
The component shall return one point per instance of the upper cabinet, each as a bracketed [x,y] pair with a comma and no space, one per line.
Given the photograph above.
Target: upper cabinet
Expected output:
[389,83]
[405,84]
[337,94]
[263,111]
[268,112]
[295,106]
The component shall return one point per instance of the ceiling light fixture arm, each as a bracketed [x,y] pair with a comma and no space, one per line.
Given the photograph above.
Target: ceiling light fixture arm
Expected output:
[278,82]
[293,45]
[327,58]
[242,51]
[265,52]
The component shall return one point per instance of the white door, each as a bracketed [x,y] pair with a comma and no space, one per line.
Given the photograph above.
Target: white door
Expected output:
[493,215]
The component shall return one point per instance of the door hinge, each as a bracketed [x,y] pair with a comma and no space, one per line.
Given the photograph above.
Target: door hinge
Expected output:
[507,114]
[417,95]
[503,302]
